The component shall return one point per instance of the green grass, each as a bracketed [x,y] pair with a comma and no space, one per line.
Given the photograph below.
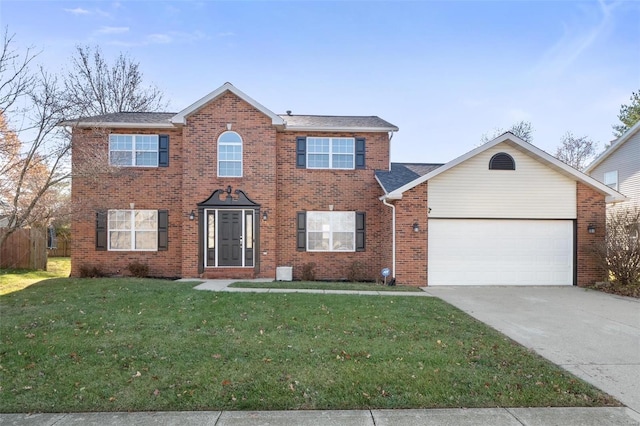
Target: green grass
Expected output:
[139,344]
[17,279]
[321,285]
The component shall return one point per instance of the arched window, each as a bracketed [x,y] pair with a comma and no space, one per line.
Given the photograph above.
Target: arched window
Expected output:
[502,161]
[230,155]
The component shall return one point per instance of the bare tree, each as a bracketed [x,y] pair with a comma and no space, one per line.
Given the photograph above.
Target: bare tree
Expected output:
[620,253]
[15,77]
[34,158]
[34,172]
[95,87]
[575,151]
[522,129]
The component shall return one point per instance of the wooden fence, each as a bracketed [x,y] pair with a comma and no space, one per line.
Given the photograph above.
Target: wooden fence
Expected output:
[26,248]
[63,248]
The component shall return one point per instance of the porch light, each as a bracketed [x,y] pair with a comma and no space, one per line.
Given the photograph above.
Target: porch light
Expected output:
[265,215]
[192,215]
[591,228]
[416,227]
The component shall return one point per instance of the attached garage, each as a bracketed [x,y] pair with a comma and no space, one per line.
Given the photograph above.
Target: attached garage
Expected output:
[500,252]
[503,214]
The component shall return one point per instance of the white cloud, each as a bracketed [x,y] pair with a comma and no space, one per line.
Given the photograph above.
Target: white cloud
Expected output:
[113,30]
[78,11]
[159,38]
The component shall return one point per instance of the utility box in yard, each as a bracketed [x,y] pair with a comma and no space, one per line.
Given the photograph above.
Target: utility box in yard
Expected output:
[284,273]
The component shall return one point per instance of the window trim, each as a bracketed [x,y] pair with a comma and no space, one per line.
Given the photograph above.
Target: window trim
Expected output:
[331,232]
[496,157]
[133,150]
[331,153]
[241,144]
[132,230]
[613,185]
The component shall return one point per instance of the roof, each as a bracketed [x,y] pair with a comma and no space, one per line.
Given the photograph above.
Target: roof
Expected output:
[181,117]
[370,123]
[124,119]
[517,143]
[401,174]
[613,147]
[282,122]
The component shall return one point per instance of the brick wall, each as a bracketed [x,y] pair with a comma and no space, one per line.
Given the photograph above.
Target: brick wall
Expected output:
[411,247]
[96,186]
[258,181]
[345,190]
[270,179]
[591,210]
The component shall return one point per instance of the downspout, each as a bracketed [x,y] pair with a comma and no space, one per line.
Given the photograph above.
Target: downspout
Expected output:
[393,236]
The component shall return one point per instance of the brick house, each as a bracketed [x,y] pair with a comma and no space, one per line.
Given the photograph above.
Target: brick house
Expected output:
[228,189]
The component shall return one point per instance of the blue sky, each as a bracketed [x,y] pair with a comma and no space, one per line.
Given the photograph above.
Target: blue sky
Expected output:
[444,72]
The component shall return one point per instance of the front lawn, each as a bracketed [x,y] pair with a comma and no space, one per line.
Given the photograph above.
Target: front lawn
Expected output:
[17,279]
[140,344]
[321,285]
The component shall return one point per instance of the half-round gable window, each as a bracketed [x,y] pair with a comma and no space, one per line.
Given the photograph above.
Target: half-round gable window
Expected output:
[502,161]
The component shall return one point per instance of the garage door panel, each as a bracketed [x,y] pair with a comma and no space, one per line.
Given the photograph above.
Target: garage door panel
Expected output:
[500,252]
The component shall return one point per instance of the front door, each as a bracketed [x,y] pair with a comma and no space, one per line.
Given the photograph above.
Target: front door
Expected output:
[229,238]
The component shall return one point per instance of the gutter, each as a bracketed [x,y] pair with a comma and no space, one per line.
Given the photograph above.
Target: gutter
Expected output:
[393,235]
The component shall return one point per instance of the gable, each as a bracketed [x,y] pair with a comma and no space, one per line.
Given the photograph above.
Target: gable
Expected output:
[472,190]
[181,117]
[522,146]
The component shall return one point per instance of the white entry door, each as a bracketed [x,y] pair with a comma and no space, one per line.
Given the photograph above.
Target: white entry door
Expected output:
[500,252]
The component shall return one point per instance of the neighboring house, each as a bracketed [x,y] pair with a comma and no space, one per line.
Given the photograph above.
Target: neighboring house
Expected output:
[228,189]
[619,166]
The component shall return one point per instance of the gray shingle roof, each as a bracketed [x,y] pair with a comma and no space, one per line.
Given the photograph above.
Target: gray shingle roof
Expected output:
[145,118]
[337,122]
[302,122]
[403,173]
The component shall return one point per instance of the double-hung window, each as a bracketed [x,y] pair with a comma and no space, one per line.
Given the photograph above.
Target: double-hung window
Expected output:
[330,153]
[133,230]
[331,231]
[133,150]
[230,155]
[611,179]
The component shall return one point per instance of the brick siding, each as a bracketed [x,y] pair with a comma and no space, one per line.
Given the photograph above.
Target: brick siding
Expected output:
[591,210]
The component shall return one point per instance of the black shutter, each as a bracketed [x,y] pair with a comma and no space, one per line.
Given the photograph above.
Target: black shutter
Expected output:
[360,153]
[301,231]
[101,230]
[163,151]
[301,152]
[163,230]
[360,230]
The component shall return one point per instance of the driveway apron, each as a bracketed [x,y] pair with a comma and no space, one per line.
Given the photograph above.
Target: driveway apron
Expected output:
[594,335]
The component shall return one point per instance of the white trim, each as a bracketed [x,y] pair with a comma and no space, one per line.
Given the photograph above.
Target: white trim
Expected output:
[339,129]
[217,232]
[134,150]
[241,144]
[330,153]
[92,124]
[331,231]
[516,142]
[613,147]
[132,230]
[181,117]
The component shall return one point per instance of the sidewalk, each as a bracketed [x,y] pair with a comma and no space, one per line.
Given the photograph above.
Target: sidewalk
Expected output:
[435,417]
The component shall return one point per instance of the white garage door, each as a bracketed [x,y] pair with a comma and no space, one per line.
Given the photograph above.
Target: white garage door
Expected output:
[500,252]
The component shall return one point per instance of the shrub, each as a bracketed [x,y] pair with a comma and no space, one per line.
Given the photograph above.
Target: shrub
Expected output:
[309,272]
[620,253]
[91,271]
[357,272]
[138,270]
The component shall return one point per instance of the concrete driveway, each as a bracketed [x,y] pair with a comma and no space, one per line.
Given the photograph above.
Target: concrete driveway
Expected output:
[594,335]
